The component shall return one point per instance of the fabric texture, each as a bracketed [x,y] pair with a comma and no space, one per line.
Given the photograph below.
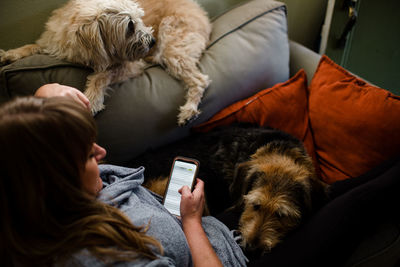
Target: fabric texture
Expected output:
[246,53]
[122,188]
[348,126]
[283,106]
[355,125]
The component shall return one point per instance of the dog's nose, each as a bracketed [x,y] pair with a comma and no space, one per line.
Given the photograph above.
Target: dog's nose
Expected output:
[152,42]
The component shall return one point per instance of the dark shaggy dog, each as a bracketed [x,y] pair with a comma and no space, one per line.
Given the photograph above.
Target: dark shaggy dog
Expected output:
[262,173]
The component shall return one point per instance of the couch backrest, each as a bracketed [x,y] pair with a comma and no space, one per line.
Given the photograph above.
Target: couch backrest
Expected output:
[246,54]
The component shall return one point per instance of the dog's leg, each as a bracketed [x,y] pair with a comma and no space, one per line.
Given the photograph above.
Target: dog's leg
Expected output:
[239,185]
[179,50]
[96,86]
[18,53]
[98,82]
[157,185]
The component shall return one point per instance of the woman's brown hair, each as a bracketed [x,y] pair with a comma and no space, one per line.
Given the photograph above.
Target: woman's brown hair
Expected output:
[46,216]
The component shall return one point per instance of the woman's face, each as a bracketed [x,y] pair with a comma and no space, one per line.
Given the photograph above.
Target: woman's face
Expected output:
[91,180]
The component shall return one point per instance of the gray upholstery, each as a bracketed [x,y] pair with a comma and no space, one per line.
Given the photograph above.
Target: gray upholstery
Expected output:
[248,52]
[303,58]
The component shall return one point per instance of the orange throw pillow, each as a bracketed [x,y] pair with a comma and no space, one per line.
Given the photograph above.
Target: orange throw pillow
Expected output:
[355,125]
[283,106]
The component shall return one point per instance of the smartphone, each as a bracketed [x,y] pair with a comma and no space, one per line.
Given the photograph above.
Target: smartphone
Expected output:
[183,172]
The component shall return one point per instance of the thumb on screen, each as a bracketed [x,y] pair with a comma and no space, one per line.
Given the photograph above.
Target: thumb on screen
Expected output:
[184,190]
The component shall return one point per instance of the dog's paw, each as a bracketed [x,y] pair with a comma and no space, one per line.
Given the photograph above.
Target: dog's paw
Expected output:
[96,102]
[3,59]
[96,108]
[188,113]
[7,57]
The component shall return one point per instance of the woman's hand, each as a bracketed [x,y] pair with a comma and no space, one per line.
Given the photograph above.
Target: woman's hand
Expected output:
[192,203]
[55,89]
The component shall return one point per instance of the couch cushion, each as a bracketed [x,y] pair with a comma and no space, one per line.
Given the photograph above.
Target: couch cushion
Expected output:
[283,106]
[216,8]
[355,125]
[347,125]
[248,51]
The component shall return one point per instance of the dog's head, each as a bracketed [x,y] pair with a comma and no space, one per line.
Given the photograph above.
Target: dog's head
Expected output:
[113,33]
[277,188]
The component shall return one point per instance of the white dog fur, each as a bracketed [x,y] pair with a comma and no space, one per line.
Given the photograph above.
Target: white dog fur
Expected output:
[112,37]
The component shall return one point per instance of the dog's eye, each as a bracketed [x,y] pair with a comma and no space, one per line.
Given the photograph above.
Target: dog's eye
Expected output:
[256,206]
[131,28]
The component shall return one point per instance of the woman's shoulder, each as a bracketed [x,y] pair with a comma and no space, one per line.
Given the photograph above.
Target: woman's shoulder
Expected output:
[113,173]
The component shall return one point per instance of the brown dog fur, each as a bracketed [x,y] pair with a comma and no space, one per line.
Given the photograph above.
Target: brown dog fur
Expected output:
[275,190]
[270,179]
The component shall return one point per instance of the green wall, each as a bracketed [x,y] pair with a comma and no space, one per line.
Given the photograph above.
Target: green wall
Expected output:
[305,19]
[372,50]
[22,21]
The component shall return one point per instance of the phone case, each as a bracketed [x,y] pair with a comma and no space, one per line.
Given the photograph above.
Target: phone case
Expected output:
[184,159]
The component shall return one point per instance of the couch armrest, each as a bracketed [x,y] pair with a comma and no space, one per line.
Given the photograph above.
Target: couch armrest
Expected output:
[302,58]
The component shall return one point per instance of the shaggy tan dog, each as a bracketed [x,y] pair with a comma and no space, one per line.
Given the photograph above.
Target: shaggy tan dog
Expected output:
[112,37]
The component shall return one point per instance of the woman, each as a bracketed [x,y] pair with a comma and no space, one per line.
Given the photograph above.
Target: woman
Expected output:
[56,209]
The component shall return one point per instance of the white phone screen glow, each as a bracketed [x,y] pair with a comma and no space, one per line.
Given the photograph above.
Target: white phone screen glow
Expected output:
[182,174]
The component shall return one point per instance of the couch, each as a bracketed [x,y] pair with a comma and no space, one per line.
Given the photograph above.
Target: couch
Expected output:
[260,76]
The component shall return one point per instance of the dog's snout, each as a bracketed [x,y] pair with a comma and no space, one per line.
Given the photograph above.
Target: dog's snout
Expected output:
[152,42]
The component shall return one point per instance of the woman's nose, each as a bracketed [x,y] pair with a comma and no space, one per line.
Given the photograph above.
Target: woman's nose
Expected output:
[100,152]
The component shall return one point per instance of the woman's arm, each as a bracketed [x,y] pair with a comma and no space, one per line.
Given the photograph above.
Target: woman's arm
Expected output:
[192,205]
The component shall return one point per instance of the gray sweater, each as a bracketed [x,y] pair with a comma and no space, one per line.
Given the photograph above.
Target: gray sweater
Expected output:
[122,188]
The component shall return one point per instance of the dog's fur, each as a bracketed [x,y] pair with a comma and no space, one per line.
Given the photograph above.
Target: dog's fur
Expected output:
[113,36]
[262,174]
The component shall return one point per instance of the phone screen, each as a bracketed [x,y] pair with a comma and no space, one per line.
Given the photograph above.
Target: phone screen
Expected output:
[183,173]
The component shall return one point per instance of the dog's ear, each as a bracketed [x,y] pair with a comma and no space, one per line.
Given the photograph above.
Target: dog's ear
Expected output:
[311,197]
[242,181]
[130,30]
[91,43]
